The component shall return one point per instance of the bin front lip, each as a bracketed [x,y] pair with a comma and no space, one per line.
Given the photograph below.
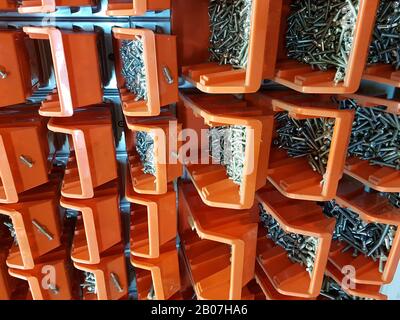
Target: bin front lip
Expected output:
[8,185]
[150,62]
[47,6]
[392,106]
[139,8]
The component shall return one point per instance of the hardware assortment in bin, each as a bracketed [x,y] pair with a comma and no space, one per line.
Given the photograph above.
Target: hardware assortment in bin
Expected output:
[199,149]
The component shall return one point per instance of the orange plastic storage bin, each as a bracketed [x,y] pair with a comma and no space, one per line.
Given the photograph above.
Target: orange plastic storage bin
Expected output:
[98,226]
[382,73]
[153,221]
[24,150]
[158,278]
[135,7]
[200,112]
[50,279]
[301,77]
[383,179]
[18,66]
[190,22]
[165,131]
[371,207]
[294,177]
[76,66]
[300,217]
[48,6]
[359,290]
[159,55]
[36,221]
[111,279]
[219,245]
[92,162]
[8,5]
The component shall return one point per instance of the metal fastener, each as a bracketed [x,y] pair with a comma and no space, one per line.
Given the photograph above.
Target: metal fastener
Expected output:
[42,230]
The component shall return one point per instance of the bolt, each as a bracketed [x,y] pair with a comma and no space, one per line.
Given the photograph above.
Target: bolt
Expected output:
[42,230]
[116,283]
[26,161]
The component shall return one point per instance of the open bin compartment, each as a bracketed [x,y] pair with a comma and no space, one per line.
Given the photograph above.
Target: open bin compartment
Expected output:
[158,278]
[135,7]
[190,20]
[110,277]
[39,207]
[24,149]
[19,65]
[219,246]
[159,57]
[76,67]
[98,226]
[359,290]
[48,6]
[10,288]
[201,112]
[153,221]
[384,179]
[371,207]
[294,177]
[164,131]
[92,162]
[300,217]
[301,77]
[54,265]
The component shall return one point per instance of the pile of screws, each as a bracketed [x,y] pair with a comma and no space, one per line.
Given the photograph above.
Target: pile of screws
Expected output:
[374,240]
[89,282]
[394,198]
[145,149]
[331,289]
[133,69]
[11,229]
[375,135]
[320,33]
[228,147]
[309,138]
[230,31]
[300,249]
[385,47]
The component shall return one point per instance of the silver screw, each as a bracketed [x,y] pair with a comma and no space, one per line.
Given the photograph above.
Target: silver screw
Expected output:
[89,283]
[115,281]
[26,161]
[145,149]
[167,75]
[42,230]
[54,289]
[3,75]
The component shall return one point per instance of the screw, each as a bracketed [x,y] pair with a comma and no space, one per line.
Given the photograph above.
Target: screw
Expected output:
[26,161]
[42,230]
[167,75]
[332,290]
[12,231]
[145,149]
[3,75]
[54,289]
[89,282]
[151,294]
[116,283]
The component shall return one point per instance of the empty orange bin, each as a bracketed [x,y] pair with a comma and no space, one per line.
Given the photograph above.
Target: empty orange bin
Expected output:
[153,221]
[359,290]
[36,223]
[76,66]
[201,112]
[163,159]
[8,5]
[50,279]
[24,150]
[300,217]
[219,246]
[294,177]
[98,226]
[380,178]
[135,7]
[301,77]
[158,278]
[107,280]
[160,71]
[19,76]
[47,6]
[371,207]
[92,162]
[191,23]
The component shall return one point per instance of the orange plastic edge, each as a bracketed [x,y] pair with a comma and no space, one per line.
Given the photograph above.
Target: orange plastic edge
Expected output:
[136,7]
[48,6]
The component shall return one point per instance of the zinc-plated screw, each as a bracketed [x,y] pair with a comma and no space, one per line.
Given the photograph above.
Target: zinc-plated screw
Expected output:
[116,282]
[54,289]
[26,161]
[42,230]
[167,75]
[3,75]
